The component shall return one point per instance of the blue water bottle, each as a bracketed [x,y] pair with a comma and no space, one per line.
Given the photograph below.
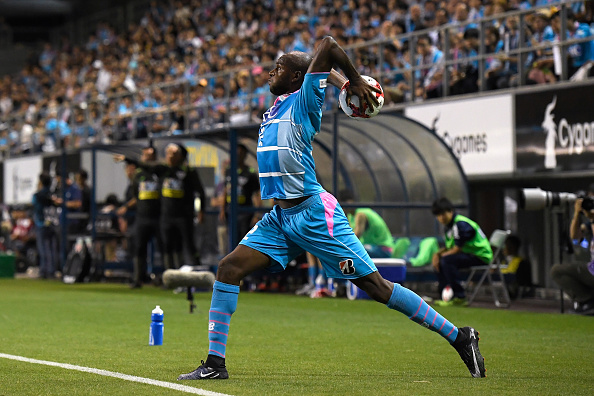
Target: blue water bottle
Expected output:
[156,333]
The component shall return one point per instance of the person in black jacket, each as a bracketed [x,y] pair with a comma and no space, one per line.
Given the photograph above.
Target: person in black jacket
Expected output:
[145,199]
[179,186]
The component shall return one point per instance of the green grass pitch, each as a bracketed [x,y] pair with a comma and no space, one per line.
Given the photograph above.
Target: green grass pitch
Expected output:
[278,345]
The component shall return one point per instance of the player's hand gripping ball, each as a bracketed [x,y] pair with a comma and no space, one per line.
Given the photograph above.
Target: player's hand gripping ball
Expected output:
[354,109]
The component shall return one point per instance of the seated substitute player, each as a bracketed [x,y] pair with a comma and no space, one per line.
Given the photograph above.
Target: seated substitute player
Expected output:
[465,246]
[306,217]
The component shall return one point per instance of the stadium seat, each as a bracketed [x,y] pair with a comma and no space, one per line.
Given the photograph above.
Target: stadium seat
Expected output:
[497,241]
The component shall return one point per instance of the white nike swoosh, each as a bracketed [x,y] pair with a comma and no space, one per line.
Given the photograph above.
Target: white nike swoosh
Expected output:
[477,371]
[209,375]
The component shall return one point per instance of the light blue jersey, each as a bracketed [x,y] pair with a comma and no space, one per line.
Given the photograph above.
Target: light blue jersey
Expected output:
[285,160]
[287,170]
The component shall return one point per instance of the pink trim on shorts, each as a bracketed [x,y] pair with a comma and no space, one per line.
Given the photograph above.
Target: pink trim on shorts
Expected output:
[329,205]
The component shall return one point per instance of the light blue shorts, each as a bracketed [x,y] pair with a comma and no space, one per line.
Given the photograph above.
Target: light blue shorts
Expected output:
[317,225]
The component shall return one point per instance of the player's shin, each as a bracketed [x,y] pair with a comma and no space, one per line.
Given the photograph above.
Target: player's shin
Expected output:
[222,306]
[412,305]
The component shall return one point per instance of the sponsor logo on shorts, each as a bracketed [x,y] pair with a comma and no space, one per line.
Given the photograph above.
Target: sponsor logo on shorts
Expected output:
[347,267]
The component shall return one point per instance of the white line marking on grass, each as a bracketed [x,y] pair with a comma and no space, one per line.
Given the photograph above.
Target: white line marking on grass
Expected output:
[163,384]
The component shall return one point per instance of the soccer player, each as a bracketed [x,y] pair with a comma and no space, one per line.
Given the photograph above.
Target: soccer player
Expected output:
[305,217]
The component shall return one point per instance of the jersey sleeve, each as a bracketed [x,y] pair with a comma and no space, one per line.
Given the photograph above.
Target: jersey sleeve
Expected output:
[465,233]
[309,103]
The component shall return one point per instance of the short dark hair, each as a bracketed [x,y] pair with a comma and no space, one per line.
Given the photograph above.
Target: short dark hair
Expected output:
[45,179]
[471,33]
[441,205]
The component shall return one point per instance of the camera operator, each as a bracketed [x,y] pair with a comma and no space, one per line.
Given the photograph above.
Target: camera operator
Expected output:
[577,279]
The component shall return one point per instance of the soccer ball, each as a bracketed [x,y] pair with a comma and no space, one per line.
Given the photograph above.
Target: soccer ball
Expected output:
[354,108]
[447,293]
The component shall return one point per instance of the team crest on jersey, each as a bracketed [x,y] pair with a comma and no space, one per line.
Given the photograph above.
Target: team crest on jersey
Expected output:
[273,110]
[180,174]
[347,267]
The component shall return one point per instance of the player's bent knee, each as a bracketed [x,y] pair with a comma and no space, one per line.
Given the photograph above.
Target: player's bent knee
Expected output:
[375,286]
[229,271]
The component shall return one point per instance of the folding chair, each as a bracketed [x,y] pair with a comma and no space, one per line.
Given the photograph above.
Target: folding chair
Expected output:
[497,242]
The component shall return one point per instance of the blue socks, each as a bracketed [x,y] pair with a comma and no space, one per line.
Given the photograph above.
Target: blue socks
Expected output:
[413,306]
[222,306]
[312,272]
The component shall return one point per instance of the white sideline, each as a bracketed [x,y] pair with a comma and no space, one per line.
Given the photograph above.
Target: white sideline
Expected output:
[163,384]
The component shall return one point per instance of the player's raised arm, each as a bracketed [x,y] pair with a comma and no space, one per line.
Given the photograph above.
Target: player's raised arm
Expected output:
[329,54]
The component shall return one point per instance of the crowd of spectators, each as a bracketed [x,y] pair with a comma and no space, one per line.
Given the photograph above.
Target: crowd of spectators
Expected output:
[177,67]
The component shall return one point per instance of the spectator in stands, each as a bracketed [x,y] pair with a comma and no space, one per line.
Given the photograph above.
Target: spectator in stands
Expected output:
[465,76]
[577,279]
[47,243]
[580,53]
[83,130]
[431,59]
[414,19]
[218,111]
[442,17]
[508,76]
[460,18]
[494,67]
[398,75]
[542,32]
[475,10]
[165,45]
[465,246]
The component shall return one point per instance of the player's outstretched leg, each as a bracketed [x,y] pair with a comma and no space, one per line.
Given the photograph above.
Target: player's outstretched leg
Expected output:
[464,340]
[222,306]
